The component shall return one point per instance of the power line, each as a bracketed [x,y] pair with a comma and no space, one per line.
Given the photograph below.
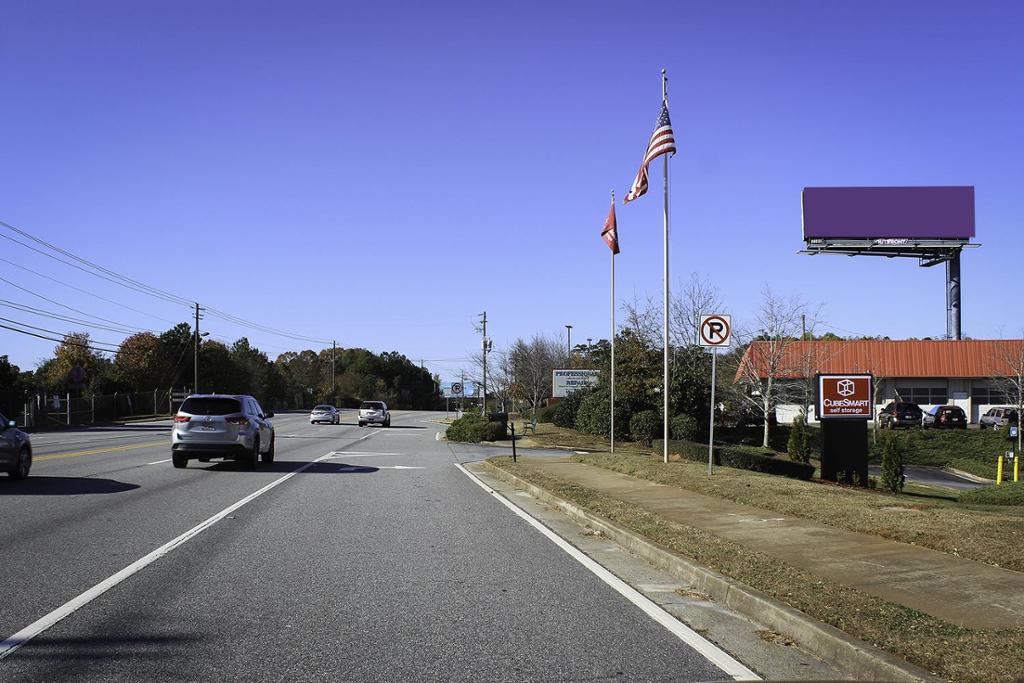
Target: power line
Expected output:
[121,279]
[63,340]
[75,310]
[42,313]
[49,278]
[141,287]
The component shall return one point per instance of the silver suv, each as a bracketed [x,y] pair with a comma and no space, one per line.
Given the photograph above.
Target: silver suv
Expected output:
[998,417]
[233,427]
[374,412]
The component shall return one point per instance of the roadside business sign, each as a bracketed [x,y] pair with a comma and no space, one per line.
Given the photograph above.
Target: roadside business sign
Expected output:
[715,330]
[566,381]
[845,397]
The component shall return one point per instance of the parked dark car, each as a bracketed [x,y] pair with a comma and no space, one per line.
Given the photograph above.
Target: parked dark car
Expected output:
[944,417]
[15,449]
[899,414]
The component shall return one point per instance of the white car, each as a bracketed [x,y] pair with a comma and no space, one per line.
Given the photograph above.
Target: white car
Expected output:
[325,413]
[374,412]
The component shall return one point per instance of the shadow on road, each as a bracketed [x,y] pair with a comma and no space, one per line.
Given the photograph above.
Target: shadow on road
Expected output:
[62,486]
[105,647]
[286,466]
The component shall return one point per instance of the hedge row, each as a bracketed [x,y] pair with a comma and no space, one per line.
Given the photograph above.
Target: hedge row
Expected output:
[472,428]
[739,457]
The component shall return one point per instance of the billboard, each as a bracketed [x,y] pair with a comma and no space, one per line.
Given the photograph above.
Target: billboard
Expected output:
[564,382]
[845,397]
[941,213]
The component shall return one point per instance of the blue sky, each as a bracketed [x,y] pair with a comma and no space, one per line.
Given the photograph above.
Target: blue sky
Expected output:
[379,173]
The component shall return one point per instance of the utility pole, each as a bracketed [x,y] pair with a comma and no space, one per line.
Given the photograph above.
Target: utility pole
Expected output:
[462,396]
[486,345]
[568,341]
[195,364]
[334,393]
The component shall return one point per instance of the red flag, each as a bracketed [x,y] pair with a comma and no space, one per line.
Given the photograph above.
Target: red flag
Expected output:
[610,233]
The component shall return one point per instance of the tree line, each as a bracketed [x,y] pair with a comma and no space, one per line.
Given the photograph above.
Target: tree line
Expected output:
[295,379]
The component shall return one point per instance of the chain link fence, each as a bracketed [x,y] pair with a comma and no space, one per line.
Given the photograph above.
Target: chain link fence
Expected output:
[67,409]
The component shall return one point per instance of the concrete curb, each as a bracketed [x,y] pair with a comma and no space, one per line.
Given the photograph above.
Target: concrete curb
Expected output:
[825,641]
[968,476]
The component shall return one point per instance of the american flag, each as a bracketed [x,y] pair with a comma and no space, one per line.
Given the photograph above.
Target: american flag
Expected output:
[610,233]
[662,142]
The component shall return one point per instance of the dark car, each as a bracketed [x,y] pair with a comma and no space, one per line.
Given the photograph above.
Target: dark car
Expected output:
[899,414]
[15,449]
[944,417]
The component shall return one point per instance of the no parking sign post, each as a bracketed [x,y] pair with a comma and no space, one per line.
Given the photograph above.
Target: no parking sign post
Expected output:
[714,332]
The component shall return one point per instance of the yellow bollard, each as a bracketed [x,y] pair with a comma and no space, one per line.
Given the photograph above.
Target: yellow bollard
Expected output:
[999,471]
[1016,470]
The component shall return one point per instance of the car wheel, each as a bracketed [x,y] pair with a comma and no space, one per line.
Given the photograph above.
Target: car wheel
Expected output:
[179,461]
[253,458]
[362,424]
[387,422]
[24,465]
[268,457]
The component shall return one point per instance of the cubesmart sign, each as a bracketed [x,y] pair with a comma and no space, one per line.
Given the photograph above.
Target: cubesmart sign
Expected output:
[848,397]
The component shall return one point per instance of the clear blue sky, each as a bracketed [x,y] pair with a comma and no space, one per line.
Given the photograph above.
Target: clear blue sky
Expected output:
[378,173]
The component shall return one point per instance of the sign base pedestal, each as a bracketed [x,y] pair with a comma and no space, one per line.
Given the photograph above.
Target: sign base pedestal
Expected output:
[844,451]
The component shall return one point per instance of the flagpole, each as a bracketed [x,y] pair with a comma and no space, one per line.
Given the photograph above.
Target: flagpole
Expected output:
[612,431]
[664,390]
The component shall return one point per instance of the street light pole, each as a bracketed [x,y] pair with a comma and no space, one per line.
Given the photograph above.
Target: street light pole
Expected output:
[568,341]
[195,363]
[334,393]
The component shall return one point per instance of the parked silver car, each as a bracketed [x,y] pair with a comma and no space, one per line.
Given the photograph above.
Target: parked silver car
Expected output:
[233,427]
[15,449]
[325,413]
[374,412]
[998,417]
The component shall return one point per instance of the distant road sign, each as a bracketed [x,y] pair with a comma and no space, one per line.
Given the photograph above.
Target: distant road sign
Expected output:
[715,330]
[457,388]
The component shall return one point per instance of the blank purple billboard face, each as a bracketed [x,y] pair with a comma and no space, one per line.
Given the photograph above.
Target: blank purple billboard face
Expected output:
[888,212]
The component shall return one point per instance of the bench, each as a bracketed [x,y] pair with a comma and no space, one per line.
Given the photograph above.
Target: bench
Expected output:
[530,425]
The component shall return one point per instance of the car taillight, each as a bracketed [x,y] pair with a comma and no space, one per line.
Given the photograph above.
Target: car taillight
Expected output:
[182,418]
[240,421]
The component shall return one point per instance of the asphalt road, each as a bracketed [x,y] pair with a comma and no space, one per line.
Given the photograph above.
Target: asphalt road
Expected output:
[932,476]
[377,560]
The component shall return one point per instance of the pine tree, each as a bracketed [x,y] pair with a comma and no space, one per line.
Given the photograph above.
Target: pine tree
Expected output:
[892,464]
[799,444]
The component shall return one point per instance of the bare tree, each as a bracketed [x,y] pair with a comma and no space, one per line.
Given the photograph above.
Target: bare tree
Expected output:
[532,364]
[696,298]
[643,319]
[1008,377]
[767,370]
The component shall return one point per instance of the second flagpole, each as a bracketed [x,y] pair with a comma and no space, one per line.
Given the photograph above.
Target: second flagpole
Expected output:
[612,430]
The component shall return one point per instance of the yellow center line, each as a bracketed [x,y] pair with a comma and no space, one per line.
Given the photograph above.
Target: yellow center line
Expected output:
[97,451]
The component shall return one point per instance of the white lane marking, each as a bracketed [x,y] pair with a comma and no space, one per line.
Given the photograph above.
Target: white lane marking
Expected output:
[582,452]
[398,467]
[158,462]
[26,634]
[709,650]
[361,454]
[437,436]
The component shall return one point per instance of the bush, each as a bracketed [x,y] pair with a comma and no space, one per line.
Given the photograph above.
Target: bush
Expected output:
[593,415]
[1007,493]
[544,414]
[472,428]
[645,426]
[684,427]
[892,465]
[566,409]
[799,445]
[751,458]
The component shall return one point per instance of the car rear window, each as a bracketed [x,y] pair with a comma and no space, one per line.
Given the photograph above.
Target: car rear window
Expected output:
[211,406]
[371,405]
[322,408]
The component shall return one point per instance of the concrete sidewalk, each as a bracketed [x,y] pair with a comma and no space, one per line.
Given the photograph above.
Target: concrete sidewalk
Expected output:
[958,591]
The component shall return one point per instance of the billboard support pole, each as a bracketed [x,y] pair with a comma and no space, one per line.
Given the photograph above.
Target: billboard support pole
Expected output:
[953,330]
